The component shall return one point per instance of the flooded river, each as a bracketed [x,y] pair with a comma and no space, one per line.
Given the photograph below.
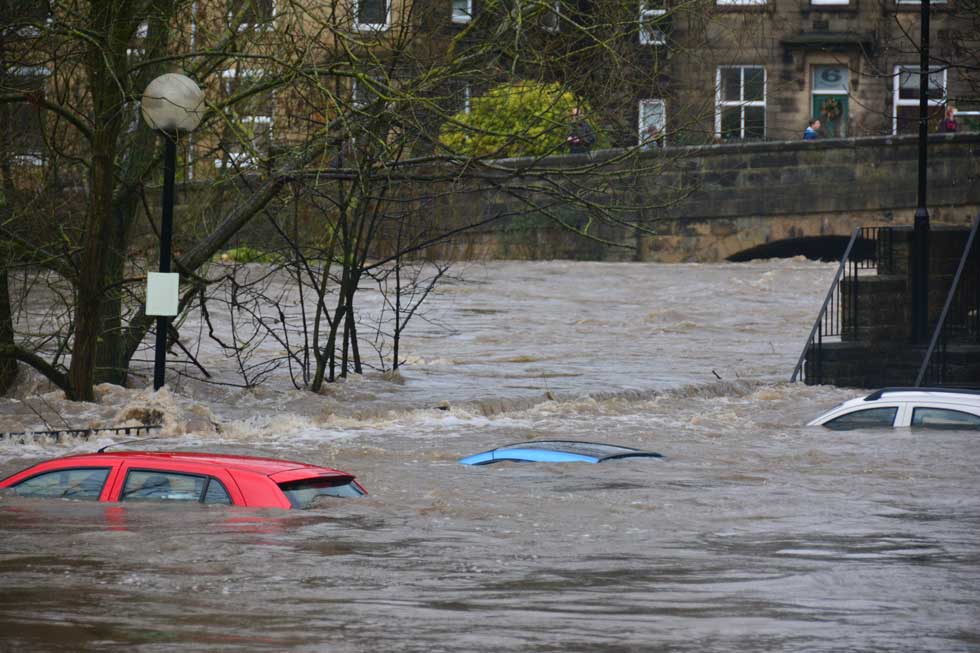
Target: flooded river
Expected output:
[754,534]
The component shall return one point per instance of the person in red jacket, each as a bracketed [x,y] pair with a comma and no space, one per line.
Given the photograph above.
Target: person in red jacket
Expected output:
[948,123]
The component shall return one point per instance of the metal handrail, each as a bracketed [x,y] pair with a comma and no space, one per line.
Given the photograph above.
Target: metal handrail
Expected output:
[826,303]
[949,301]
[83,433]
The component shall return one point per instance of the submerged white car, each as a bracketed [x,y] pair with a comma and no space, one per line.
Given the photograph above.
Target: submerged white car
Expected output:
[938,408]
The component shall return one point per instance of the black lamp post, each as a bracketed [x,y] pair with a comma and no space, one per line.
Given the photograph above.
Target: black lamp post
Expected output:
[920,233]
[172,104]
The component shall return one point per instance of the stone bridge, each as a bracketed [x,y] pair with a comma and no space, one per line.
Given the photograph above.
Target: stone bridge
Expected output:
[742,201]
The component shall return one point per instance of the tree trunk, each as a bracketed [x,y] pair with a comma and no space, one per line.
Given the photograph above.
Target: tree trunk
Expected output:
[92,268]
[8,366]
[103,59]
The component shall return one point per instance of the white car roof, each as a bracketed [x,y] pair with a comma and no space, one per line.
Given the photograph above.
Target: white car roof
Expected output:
[942,394]
[949,397]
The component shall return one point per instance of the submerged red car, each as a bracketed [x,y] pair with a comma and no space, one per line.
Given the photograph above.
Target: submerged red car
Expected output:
[175,476]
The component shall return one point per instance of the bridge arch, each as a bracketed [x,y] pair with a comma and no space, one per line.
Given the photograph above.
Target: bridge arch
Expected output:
[817,248]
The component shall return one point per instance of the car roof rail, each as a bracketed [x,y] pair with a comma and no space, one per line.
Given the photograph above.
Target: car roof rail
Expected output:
[119,444]
[877,394]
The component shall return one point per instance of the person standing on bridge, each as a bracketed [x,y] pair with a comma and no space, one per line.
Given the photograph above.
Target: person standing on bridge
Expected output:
[948,124]
[810,133]
[581,136]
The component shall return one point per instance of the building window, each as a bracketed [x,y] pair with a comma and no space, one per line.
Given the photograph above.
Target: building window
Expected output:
[651,22]
[462,11]
[137,45]
[918,3]
[24,121]
[464,97]
[372,14]
[363,93]
[837,3]
[251,14]
[652,123]
[905,104]
[248,138]
[741,2]
[25,17]
[741,102]
[456,98]
[551,19]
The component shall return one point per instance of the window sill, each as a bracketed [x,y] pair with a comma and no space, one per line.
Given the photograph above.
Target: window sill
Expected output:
[256,27]
[33,160]
[843,8]
[755,7]
[234,162]
[915,7]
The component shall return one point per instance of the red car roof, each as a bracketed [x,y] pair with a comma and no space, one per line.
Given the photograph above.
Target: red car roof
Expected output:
[265,466]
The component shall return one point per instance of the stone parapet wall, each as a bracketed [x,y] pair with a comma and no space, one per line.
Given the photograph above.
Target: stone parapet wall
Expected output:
[708,203]
[702,203]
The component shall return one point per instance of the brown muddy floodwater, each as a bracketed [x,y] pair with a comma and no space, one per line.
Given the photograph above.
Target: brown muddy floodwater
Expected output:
[754,534]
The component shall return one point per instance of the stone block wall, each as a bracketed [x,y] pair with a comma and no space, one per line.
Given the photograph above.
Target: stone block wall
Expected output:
[704,203]
[709,203]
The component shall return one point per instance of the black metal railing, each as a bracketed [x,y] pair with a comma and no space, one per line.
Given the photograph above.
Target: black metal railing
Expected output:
[867,249]
[59,434]
[959,321]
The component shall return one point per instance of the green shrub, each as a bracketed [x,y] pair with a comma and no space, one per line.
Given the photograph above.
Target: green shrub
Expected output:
[521,119]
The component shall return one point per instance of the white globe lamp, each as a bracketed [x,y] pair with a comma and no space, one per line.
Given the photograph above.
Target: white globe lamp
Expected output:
[173,103]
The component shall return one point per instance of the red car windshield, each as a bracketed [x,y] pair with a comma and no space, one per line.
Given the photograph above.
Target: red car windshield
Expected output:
[303,493]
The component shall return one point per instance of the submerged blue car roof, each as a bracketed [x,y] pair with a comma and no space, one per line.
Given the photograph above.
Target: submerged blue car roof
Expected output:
[557,451]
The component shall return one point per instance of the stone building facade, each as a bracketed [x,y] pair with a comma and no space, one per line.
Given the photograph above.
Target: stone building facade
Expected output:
[667,72]
[771,65]
[720,70]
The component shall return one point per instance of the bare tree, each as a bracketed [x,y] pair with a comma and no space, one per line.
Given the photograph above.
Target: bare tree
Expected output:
[321,144]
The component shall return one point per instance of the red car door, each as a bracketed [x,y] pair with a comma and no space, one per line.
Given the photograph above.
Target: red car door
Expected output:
[136,470]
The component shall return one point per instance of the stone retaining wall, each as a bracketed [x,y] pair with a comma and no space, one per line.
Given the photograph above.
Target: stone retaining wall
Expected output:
[704,203]
[711,202]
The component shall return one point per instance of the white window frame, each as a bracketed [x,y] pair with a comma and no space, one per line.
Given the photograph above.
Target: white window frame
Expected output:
[244,159]
[918,2]
[189,164]
[739,3]
[832,3]
[914,102]
[554,14]
[372,27]
[29,158]
[142,31]
[464,16]
[32,71]
[658,37]
[742,104]
[640,122]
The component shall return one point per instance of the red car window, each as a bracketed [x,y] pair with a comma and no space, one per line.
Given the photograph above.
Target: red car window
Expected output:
[70,483]
[159,485]
[302,494]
